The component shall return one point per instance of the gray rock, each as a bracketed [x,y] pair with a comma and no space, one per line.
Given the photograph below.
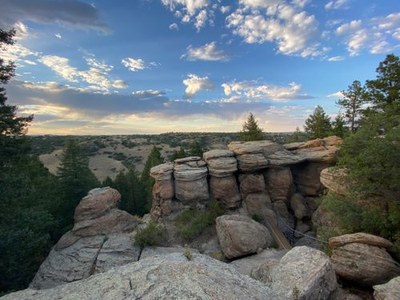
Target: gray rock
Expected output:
[220,163]
[258,204]
[148,252]
[279,182]
[335,180]
[252,162]
[239,235]
[162,172]
[240,148]
[299,207]
[304,273]
[388,291]
[251,184]
[164,277]
[307,178]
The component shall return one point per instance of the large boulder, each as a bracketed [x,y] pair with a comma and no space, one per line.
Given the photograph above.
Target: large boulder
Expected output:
[335,180]
[388,291]
[191,180]
[171,276]
[303,273]
[99,240]
[363,258]
[240,235]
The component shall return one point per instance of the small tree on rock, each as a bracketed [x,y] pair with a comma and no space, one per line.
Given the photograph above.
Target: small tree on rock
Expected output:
[251,131]
[318,124]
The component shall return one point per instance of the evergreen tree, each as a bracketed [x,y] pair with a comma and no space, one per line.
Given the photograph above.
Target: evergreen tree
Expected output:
[147,181]
[353,99]
[338,126]
[251,131]
[318,124]
[195,149]
[76,179]
[178,154]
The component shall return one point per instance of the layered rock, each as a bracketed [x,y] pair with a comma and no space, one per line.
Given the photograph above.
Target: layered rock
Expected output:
[239,235]
[171,276]
[99,240]
[363,258]
[163,190]
[279,182]
[335,180]
[191,180]
[223,184]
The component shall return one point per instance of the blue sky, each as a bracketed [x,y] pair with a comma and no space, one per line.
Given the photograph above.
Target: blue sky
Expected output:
[152,66]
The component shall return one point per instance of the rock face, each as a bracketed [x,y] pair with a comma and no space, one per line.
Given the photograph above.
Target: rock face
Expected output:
[303,273]
[279,182]
[164,277]
[335,180]
[363,258]
[191,180]
[388,291]
[99,240]
[163,190]
[239,235]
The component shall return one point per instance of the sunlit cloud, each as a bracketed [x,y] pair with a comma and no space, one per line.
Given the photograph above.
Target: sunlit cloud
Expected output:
[207,52]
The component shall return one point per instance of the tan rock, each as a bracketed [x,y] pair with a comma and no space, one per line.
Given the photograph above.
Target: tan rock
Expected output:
[216,153]
[222,166]
[191,192]
[97,203]
[388,291]
[240,148]
[162,172]
[299,207]
[365,264]
[307,178]
[252,162]
[335,180]
[359,237]
[251,184]
[257,204]
[225,190]
[239,235]
[279,183]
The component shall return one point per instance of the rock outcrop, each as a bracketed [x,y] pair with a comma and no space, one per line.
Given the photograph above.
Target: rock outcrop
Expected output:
[239,235]
[362,258]
[171,276]
[335,180]
[99,240]
[163,190]
[388,291]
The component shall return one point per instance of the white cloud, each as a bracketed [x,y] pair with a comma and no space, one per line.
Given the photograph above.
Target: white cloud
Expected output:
[225,9]
[58,36]
[61,66]
[148,93]
[336,4]
[174,26]
[201,19]
[336,58]
[295,32]
[195,84]
[208,52]
[253,91]
[335,95]
[356,36]
[134,64]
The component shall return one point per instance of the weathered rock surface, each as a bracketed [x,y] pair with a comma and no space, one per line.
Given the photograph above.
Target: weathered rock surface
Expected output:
[251,184]
[163,171]
[363,261]
[163,190]
[99,240]
[239,235]
[299,206]
[191,180]
[279,182]
[162,251]
[220,163]
[163,277]
[258,204]
[252,162]
[388,291]
[335,180]
[303,273]
[225,190]
[307,178]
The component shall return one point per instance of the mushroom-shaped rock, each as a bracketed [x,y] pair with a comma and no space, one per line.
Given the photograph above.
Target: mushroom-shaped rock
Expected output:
[363,258]
[163,190]
[240,235]
[191,180]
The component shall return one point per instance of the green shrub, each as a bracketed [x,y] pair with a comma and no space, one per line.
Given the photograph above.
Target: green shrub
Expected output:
[151,235]
[191,223]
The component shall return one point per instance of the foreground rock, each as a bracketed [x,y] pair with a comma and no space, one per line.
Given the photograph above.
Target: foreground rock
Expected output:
[164,277]
[388,291]
[239,235]
[99,241]
[362,258]
[303,273]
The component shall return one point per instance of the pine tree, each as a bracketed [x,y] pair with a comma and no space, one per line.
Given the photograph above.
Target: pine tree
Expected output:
[353,99]
[318,124]
[75,178]
[178,154]
[251,131]
[338,126]
[195,149]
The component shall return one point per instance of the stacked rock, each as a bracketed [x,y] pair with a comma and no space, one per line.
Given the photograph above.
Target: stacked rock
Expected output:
[222,167]
[163,190]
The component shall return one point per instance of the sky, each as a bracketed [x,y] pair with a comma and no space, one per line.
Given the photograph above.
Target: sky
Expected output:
[151,66]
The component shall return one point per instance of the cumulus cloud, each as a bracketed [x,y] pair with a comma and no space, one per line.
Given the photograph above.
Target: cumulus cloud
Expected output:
[335,95]
[134,64]
[294,31]
[71,13]
[254,91]
[225,9]
[194,84]
[208,52]
[336,4]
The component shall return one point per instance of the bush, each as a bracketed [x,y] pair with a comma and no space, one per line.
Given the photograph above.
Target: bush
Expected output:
[151,235]
[191,223]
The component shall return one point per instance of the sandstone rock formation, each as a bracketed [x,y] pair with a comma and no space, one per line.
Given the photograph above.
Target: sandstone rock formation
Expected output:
[99,240]
[388,291]
[239,235]
[303,273]
[163,190]
[363,258]
[171,276]
[335,180]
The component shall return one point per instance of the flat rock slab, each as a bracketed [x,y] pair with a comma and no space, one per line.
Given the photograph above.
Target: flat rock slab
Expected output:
[161,251]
